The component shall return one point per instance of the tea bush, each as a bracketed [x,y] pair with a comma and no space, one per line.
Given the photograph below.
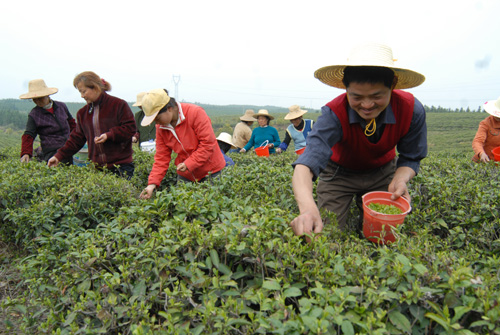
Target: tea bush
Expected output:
[220,258]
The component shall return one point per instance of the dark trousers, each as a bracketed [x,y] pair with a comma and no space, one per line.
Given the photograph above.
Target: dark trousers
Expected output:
[124,170]
[337,186]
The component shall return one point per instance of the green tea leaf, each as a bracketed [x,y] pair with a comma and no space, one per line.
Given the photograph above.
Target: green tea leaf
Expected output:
[292,292]
[272,285]
[400,321]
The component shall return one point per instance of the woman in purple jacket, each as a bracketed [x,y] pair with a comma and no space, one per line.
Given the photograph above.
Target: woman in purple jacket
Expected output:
[106,123]
[49,119]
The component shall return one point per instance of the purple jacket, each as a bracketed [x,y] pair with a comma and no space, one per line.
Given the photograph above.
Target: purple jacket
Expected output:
[53,129]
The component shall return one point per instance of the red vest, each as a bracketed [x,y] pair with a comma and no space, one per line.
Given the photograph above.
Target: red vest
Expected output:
[355,151]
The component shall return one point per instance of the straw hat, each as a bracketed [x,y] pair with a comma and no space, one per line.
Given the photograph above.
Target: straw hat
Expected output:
[152,102]
[138,103]
[226,138]
[263,112]
[38,89]
[248,116]
[370,54]
[493,107]
[295,112]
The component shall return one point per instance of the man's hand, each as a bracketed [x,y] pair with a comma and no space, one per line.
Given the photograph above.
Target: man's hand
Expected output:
[307,223]
[398,186]
[309,220]
[25,158]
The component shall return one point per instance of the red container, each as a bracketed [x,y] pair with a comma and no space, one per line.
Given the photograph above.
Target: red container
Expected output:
[377,227]
[262,151]
[496,154]
[300,151]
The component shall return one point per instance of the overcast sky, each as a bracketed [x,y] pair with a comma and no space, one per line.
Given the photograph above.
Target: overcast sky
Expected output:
[248,52]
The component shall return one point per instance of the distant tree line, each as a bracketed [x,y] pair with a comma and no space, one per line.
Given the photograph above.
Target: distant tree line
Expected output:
[12,119]
[440,109]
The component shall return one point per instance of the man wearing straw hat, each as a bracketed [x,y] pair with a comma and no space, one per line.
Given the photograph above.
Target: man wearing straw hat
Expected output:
[49,119]
[352,148]
[298,130]
[242,131]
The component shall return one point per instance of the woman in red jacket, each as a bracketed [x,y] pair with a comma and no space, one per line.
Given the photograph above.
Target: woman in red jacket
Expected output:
[106,123]
[186,130]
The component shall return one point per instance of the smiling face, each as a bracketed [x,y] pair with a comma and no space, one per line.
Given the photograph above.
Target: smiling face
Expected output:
[368,100]
[88,94]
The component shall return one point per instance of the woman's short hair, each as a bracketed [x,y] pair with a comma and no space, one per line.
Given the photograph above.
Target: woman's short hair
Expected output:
[171,103]
[91,80]
[369,75]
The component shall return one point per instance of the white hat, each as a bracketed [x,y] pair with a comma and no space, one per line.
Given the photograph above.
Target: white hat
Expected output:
[226,138]
[38,89]
[370,54]
[493,107]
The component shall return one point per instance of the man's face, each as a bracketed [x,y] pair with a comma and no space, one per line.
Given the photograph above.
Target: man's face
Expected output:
[368,100]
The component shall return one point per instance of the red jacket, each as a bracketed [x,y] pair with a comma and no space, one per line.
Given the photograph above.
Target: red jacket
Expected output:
[355,151]
[115,119]
[193,140]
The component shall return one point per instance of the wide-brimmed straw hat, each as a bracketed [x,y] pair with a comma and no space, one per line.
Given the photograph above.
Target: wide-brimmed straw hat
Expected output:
[370,54]
[493,107]
[248,116]
[152,102]
[138,102]
[294,112]
[226,138]
[38,89]
[263,112]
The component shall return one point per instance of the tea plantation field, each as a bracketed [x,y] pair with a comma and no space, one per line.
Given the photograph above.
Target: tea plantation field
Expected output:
[81,254]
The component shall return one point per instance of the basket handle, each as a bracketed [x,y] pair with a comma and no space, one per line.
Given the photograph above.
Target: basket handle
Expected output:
[265,143]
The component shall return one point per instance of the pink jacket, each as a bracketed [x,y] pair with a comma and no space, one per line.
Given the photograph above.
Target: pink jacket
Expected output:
[193,140]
